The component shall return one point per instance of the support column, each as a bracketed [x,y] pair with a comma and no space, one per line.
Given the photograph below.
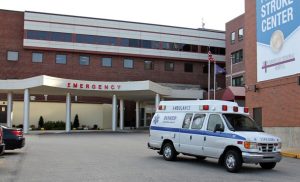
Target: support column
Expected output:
[26,111]
[114,113]
[137,114]
[157,100]
[122,114]
[9,109]
[68,112]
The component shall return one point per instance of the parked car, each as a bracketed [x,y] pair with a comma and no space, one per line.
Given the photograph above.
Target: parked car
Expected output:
[13,138]
[2,145]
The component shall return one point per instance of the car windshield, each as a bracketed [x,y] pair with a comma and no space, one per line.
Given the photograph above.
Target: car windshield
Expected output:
[239,122]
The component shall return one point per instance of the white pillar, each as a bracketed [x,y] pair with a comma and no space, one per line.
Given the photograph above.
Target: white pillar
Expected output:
[9,109]
[68,112]
[121,114]
[114,113]
[26,111]
[157,100]
[137,114]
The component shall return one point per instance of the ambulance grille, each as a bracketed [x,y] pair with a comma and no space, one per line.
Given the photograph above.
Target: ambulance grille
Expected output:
[266,147]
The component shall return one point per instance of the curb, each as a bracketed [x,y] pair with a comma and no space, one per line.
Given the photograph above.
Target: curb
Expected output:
[291,154]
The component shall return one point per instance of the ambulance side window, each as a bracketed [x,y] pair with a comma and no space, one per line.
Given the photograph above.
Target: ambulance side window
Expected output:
[198,121]
[187,120]
[214,119]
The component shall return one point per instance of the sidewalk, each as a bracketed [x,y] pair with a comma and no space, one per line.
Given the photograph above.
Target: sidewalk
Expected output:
[49,132]
[291,152]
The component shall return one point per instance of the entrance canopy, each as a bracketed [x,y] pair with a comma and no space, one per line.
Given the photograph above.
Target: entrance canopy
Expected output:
[132,90]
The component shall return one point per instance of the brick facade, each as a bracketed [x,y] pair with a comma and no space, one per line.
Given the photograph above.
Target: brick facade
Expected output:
[11,36]
[233,26]
[278,98]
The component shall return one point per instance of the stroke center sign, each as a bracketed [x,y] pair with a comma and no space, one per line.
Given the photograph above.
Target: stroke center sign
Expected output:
[278,38]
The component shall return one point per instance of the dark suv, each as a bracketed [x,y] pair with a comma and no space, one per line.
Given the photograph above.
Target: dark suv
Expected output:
[2,146]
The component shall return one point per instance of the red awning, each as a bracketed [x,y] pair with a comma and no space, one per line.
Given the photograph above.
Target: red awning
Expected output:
[233,93]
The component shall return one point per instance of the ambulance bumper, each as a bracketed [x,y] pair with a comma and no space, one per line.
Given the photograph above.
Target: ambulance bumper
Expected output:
[261,157]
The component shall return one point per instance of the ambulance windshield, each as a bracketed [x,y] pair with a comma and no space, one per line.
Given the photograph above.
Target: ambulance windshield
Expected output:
[239,122]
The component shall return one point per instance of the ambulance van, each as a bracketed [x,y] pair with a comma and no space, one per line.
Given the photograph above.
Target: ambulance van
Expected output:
[214,129]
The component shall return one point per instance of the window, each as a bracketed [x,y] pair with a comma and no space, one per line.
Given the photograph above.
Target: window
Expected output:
[198,121]
[61,59]
[128,63]
[238,81]
[84,60]
[237,56]
[148,65]
[241,34]
[12,55]
[130,42]
[187,120]
[37,57]
[214,119]
[169,66]
[62,37]
[232,38]
[188,67]
[38,35]
[107,62]
[108,40]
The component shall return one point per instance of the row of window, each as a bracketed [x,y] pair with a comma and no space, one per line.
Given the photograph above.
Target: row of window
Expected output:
[240,36]
[196,121]
[237,56]
[117,41]
[37,57]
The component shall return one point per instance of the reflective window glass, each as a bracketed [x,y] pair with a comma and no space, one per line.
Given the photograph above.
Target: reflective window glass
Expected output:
[106,62]
[37,57]
[61,59]
[84,60]
[128,63]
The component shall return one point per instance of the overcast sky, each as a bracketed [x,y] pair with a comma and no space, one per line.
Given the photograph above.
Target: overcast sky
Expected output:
[182,13]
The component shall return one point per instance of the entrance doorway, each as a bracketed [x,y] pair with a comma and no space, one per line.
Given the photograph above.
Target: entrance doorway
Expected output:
[3,114]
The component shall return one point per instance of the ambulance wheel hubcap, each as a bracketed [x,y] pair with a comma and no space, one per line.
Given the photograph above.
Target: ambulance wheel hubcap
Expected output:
[230,161]
[168,152]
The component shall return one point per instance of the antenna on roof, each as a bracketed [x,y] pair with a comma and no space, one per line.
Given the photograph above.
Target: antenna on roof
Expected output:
[203,23]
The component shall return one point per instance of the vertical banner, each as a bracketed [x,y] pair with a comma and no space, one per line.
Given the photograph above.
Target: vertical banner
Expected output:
[278,38]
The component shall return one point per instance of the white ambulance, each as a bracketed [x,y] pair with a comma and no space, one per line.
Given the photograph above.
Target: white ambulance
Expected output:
[215,129]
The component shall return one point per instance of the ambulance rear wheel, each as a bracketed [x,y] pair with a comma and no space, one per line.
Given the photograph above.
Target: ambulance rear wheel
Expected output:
[169,153]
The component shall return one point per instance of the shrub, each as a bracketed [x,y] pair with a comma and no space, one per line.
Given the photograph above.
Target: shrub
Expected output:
[32,127]
[41,122]
[54,125]
[95,127]
[76,121]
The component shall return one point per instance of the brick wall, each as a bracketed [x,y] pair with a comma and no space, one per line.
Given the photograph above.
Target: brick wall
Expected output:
[233,26]
[278,98]
[11,36]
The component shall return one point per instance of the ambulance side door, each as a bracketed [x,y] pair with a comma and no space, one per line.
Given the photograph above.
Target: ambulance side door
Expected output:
[184,144]
[214,142]
[196,134]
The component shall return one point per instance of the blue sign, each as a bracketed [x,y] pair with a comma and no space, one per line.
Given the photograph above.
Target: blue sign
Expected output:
[273,15]
[278,35]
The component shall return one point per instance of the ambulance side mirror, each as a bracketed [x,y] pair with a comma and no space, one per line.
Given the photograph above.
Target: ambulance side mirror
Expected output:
[218,127]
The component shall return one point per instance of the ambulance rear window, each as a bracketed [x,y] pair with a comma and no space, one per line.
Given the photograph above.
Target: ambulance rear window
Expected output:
[187,121]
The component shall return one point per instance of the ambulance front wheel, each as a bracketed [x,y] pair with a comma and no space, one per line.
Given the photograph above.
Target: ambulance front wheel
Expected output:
[267,165]
[169,153]
[233,161]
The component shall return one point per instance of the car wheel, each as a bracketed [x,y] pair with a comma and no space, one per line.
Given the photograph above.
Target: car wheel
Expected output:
[169,153]
[267,165]
[232,161]
[200,158]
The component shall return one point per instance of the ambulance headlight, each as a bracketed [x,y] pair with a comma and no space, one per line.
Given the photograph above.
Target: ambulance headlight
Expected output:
[278,145]
[250,145]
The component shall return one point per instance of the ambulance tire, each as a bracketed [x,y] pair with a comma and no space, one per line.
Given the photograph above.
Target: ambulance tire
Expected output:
[233,161]
[267,165]
[169,153]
